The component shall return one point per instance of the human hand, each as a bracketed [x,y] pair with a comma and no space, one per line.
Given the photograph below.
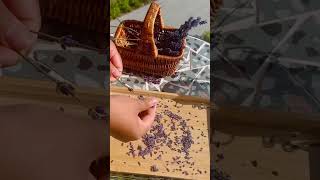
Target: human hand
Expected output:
[40,143]
[131,118]
[17,18]
[116,66]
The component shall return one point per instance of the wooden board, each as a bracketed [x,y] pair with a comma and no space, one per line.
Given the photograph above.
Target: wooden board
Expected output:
[121,162]
[62,130]
[262,122]
[239,154]
[45,91]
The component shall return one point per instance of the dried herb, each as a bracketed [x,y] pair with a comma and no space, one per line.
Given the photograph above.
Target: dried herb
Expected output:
[98,113]
[254,163]
[154,168]
[61,109]
[275,173]
[65,89]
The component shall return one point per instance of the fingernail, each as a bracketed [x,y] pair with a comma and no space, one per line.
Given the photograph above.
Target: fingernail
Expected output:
[116,73]
[154,102]
[19,37]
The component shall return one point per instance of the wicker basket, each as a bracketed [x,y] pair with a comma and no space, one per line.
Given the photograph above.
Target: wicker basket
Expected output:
[143,57]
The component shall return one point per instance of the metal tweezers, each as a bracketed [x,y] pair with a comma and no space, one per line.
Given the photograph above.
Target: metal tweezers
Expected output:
[124,84]
[68,87]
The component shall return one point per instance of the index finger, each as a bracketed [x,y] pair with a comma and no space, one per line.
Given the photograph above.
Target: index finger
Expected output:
[115,57]
[148,119]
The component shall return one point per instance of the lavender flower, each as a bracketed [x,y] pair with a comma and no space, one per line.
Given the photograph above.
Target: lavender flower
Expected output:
[67,41]
[170,42]
[154,168]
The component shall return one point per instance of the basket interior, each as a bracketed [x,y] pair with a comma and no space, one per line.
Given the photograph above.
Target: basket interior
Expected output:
[129,34]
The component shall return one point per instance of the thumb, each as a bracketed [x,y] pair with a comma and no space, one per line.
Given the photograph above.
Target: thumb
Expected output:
[146,104]
[13,33]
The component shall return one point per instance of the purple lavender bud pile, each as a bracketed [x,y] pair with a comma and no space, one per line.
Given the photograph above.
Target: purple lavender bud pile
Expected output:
[149,140]
[171,133]
[172,115]
[186,141]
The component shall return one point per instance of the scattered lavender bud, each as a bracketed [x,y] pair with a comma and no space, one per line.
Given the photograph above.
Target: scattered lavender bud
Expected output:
[254,163]
[154,168]
[61,109]
[275,173]
[93,114]
[67,41]
[140,97]
[101,110]
[97,113]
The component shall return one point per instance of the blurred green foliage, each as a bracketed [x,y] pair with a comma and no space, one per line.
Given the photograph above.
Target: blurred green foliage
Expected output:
[119,7]
[206,36]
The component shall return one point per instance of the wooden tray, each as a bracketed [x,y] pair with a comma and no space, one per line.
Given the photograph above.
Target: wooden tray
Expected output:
[45,91]
[240,154]
[39,96]
[121,162]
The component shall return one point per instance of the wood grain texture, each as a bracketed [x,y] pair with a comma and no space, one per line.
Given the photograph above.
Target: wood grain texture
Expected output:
[121,162]
[239,154]
[39,99]
[172,96]
[46,91]
[236,120]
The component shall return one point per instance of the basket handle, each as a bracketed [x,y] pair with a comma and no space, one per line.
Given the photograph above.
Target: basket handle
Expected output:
[147,35]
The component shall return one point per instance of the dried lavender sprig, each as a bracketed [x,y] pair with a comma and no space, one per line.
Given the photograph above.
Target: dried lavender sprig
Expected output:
[67,41]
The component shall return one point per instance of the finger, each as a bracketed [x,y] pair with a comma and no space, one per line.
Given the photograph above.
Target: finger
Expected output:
[148,117]
[27,11]
[146,104]
[13,33]
[8,57]
[115,57]
[114,71]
